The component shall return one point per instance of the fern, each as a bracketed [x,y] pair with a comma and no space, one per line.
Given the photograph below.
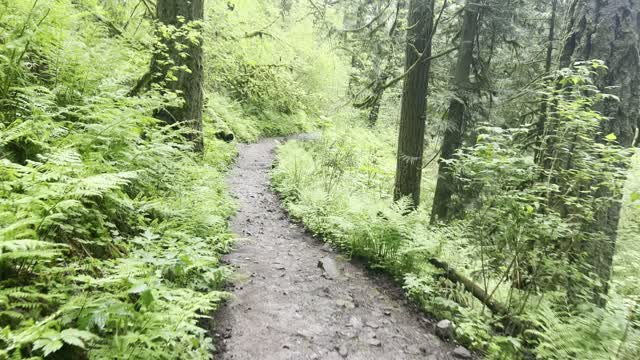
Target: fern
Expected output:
[110,230]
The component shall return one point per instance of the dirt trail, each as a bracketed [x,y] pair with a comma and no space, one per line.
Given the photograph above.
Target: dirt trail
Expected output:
[286,307]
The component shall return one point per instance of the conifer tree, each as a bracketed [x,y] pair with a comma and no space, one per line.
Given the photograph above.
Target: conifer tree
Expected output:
[177,63]
[457,114]
[414,101]
[608,31]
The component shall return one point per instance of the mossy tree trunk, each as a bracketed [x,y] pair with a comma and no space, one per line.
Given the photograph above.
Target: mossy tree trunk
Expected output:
[442,209]
[177,63]
[414,101]
[608,30]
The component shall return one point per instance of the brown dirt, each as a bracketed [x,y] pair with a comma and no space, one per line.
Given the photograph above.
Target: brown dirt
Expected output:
[284,305]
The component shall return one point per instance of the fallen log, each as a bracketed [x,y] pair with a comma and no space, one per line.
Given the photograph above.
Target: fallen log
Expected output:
[511,323]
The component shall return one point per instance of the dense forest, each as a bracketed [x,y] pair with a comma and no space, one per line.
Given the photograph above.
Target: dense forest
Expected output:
[480,154]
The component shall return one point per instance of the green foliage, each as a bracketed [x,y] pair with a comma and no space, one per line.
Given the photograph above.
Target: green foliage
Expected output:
[271,67]
[340,190]
[110,229]
[514,239]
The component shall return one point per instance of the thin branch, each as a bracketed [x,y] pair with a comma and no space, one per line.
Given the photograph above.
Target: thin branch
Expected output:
[437,22]
[376,18]
[415,65]
[435,156]
[261,32]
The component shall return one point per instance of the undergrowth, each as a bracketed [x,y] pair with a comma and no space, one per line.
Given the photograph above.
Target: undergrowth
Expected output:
[111,229]
[270,74]
[340,186]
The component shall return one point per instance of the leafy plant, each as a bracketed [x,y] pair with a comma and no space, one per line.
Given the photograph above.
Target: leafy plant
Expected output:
[110,229]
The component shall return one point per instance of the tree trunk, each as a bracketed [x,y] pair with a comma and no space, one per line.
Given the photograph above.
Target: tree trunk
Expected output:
[375,110]
[356,65]
[608,31]
[382,73]
[414,102]
[547,67]
[169,65]
[442,209]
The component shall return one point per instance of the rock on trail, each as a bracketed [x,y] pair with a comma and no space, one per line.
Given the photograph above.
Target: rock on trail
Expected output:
[295,299]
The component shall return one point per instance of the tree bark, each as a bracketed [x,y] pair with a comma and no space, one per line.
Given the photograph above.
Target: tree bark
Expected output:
[382,73]
[609,31]
[442,208]
[552,36]
[356,66]
[547,67]
[414,102]
[169,65]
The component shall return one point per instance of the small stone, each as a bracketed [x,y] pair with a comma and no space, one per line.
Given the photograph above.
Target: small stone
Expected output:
[374,342]
[343,351]
[279,267]
[387,313]
[330,268]
[355,323]
[349,334]
[345,304]
[304,334]
[412,350]
[286,346]
[462,353]
[372,324]
[444,329]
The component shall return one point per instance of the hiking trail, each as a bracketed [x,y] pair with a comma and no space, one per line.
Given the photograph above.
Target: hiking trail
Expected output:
[286,306]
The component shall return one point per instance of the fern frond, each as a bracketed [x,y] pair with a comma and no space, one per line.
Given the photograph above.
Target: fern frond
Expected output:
[98,185]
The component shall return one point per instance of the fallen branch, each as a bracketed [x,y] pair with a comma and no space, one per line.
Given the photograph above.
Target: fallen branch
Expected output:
[475,289]
[511,323]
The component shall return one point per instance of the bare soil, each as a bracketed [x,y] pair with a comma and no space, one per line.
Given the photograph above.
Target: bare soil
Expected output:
[286,307]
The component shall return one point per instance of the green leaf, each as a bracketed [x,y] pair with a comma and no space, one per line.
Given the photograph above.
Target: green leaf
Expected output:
[137,289]
[48,345]
[76,337]
[611,137]
[146,298]
[635,196]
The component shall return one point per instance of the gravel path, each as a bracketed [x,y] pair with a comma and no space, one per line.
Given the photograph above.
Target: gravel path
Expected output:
[287,307]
